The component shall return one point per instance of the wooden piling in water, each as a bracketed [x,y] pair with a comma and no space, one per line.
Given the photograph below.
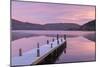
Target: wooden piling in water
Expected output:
[20,52]
[66,41]
[47,41]
[54,55]
[38,50]
[57,39]
[53,39]
[38,46]
[58,42]
[61,40]
[57,36]
[65,37]
[51,45]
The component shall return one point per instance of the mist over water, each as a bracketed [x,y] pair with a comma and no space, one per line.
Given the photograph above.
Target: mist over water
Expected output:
[79,47]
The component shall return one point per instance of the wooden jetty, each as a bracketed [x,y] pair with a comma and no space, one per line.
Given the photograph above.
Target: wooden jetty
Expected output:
[41,55]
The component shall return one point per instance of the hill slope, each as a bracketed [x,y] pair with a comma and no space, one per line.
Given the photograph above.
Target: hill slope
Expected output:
[90,26]
[19,25]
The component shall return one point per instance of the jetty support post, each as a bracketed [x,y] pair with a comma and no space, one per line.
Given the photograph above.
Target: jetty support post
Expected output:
[51,45]
[47,41]
[38,50]
[57,36]
[20,52]
[61,40]
[65,37]
[53,39]
[58,42]
[57,39]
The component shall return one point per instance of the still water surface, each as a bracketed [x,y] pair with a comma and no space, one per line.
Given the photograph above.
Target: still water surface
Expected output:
[79,48]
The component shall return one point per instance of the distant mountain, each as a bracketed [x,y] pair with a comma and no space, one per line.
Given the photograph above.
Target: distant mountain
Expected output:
[19,25]
[61,26]
[90,26]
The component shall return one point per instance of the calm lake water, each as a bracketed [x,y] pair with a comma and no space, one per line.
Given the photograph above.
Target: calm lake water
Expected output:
[80,44]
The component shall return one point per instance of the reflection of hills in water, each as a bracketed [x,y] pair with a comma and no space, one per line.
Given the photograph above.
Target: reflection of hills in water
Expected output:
[91,37]
[78,49]
[18,35]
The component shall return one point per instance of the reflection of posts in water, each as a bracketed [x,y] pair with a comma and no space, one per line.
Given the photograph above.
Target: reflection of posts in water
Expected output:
[65,51]
[20,52]
[66,44]
[38,50]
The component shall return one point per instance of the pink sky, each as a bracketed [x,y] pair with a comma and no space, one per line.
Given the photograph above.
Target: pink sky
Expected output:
[43,13]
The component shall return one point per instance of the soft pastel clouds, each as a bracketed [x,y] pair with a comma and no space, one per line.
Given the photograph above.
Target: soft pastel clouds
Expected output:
[43,13]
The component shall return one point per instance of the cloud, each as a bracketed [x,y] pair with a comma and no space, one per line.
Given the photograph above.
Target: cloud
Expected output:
[43,13]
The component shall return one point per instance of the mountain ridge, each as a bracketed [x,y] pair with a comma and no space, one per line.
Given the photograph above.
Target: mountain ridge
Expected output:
[19,25]
[90,26]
